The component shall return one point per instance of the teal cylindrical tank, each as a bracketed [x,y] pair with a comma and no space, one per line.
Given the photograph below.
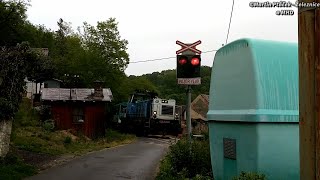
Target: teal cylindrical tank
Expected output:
[253,112]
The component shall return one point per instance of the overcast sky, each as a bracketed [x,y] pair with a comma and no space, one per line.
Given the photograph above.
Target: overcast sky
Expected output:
[153,26]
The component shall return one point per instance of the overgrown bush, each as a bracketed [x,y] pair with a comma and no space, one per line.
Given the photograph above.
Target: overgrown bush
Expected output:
[12,167]
[45,113]
[187,161]
[48,125]
[9,159]
[26,116]
[250,176]
[67,140]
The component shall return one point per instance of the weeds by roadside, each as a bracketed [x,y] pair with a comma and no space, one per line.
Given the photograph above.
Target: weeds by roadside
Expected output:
[187,162]
[12,167]
[36,139]
[250,176]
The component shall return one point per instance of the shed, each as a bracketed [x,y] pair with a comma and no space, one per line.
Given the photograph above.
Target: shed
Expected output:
[254,109]
[83,110]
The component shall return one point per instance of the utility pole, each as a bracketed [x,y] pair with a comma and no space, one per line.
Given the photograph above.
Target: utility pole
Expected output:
[309,91]
[188,109]
[188,113]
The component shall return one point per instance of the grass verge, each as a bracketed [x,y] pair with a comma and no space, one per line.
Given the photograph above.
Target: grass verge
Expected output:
[12,168]
[36,139]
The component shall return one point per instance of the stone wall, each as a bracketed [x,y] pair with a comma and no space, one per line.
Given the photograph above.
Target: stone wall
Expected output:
[5,132]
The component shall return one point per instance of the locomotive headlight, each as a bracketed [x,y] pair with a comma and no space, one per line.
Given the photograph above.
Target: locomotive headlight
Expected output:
[154,112]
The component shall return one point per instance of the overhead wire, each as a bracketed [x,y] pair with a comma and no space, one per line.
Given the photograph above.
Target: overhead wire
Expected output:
[165,58]
[230,21]
[172,57]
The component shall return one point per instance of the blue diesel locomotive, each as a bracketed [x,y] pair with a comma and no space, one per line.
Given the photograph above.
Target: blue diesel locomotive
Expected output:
[145,114]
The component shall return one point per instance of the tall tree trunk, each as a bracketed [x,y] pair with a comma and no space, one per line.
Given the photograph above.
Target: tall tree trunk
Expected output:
[5,133]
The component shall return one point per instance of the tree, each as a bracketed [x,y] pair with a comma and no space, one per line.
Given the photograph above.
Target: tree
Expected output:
[104,57]
[12,19]
[61,38]
[16,63]
[105,40]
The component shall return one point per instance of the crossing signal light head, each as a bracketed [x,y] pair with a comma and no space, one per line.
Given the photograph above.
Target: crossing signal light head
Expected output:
[195,61]
[182,61]
[188,66]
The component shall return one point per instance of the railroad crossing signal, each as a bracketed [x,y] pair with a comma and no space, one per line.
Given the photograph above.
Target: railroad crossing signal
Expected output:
[188,64]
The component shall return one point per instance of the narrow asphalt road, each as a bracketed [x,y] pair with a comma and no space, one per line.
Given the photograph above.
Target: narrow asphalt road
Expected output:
[138,160]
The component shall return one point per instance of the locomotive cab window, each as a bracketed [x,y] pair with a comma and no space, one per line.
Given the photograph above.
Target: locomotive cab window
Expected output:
[78,115]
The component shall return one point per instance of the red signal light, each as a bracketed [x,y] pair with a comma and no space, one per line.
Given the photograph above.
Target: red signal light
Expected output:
[195,61]
[182,61]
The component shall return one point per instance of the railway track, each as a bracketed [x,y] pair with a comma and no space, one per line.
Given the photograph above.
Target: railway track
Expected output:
[165,138]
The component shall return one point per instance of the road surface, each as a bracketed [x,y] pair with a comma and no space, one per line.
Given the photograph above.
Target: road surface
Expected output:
[138,160]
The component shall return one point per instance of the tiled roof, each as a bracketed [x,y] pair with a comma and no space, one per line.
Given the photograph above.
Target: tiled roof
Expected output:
[195,115]
[206,97]
[55,94]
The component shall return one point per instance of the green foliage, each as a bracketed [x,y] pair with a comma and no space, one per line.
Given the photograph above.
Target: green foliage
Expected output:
[12,167]
[185,161]
[16,63]
[166,83]
[45,113]
[67,140]
[113,135]
[26,116]
[94,53]
[250,176]
[48,125]
[200,177]
[12,19]
[37,35]
[104,39]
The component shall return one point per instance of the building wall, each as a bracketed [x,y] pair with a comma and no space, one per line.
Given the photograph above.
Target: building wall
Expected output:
[62,114]
[97,116]
[246,149]
[271,149]
[31,88]
[93,125]
[279,147]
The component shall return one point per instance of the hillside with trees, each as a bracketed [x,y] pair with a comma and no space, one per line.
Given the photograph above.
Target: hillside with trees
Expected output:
[165,84]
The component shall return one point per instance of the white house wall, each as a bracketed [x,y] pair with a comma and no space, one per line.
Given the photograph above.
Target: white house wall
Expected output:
[31,88]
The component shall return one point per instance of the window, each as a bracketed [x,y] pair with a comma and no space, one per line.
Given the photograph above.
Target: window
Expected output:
[78,115]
